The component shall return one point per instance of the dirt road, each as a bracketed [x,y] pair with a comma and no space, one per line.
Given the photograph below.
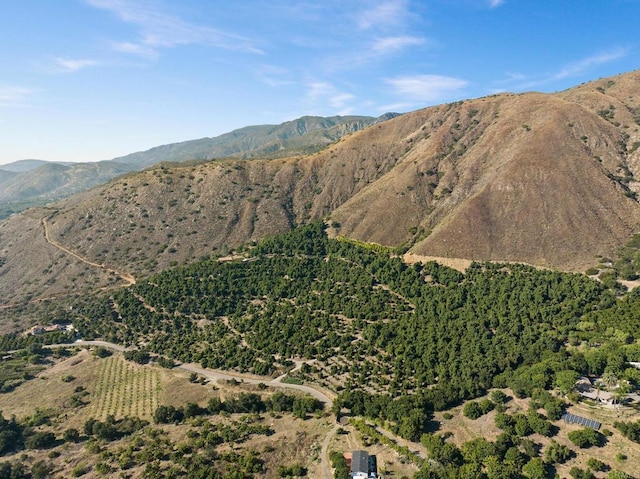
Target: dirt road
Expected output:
[124,276]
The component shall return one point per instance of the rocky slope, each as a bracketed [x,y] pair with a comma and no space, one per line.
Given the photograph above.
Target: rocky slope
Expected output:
[537,178]
[35,182]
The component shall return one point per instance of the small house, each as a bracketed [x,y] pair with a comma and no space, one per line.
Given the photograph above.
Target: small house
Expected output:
[363,465]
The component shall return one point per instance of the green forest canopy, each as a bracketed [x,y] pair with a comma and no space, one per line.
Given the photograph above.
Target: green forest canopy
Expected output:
[374,323]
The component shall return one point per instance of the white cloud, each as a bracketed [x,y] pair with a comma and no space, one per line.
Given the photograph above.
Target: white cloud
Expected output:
[324,93]
[13,96]
[495,3]
[579,67]
[515,76]
[274,76]
[340,101]
[393,44]
[320,90]
[426,88]
[139,49]
[159,30]
[69,65]
[373,51]
[521,82]
[384,14]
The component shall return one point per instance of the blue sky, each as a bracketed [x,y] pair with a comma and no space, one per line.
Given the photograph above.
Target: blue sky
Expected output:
[87,80]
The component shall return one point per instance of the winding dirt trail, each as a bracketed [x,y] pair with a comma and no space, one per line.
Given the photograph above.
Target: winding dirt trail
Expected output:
[124,276]
[325,464]
[320,394]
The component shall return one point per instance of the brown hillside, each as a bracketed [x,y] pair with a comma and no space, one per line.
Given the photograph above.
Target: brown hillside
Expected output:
[538,178]
[533,178]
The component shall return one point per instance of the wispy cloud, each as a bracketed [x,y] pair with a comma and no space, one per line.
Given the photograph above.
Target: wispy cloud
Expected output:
[71,65]
[274,75]
[158,30]
[579,67]
[393,44]
[324,93]
[518,81]
[384,14]
[426,88]
[13,96]
[140,49]
[371,51]
[341,102]
[495,3]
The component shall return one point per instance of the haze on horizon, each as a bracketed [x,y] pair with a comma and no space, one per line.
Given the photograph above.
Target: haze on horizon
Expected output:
[89,80]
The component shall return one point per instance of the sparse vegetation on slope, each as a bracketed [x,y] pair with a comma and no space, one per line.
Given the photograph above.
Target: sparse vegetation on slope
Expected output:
[463,180]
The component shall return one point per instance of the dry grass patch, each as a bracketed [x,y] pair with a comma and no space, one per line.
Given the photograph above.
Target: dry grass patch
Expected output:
[460,264]
[390,463]
[48,390]
[615,444]
[462,429]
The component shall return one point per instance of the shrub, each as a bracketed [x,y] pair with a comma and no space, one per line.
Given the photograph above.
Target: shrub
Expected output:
[71,435]
[103,468]
[557,453]
[40,440]
[474,409]
[535,469]
[499,397]
[39,470]
[578,473]
[585,437]
[292,471]
[596,465]
[80,470]
[102,352]
[619,475]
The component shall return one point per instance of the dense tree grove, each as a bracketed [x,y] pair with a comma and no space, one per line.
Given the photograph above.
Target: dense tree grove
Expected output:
[300,406]
[374,322]
[396,341]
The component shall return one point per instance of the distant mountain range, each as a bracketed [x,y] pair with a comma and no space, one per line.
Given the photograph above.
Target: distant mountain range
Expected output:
[22,166]
[298,137]
[48,180]
[545,179]
[29,182]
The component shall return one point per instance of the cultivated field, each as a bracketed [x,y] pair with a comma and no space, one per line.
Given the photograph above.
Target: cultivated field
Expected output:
[125,389]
